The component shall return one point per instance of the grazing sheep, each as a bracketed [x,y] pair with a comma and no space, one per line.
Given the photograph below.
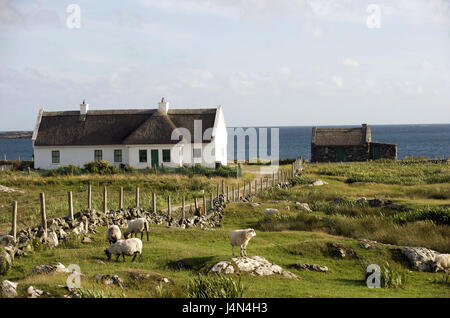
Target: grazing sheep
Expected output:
[113,234]
[241,238]
[442,262]
[130,247]
[136,226]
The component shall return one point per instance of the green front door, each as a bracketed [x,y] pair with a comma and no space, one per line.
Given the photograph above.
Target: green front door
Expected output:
[376,152]
[155,158]
[340,154]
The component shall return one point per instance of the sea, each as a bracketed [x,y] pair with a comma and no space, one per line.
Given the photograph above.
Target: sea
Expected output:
[426,140]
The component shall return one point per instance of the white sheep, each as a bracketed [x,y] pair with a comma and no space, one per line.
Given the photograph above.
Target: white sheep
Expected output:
[113,234]
[241,238]
[442,262]
[136,226]
[129,247]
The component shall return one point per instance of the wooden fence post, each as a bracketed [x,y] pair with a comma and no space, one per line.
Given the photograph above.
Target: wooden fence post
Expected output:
[204,203]
[273,179]
[169,208]
[228,195]
[121,198]
[90,196]
[262,186]
[137,197]
[211,201]
[196,204]
[183,208]
[44,215]
[234,194]
[14,220]
[250,188]
[70,205]
[154,202]
[105,200]
[218,190]
[243,191]
[223,187]
[239,192]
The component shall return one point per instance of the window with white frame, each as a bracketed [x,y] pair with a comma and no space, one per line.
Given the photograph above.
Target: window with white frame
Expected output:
[166,155]
[98,155]
[118,155]
[197,152]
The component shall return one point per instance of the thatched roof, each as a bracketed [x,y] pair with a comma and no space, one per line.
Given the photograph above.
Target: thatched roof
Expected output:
[341,136]
[116,127]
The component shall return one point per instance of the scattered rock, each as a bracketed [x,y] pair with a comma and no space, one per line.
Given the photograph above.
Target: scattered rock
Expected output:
[8,289]
[287,208]
[9,190]
[52,240]
[254,204]
[420,258]
[318,183]
[369,245]
[109,279]
[341,251]
[255,265]
[303,207]
[223,267]
[311,267]
[34,292]
[376,202]
[270,211]
[395,207]
[49,268]
[5,261]
[338,200]
[86,240]
[7,240]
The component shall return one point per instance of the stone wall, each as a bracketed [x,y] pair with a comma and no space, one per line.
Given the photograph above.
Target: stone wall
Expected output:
[330,153]
[387,151]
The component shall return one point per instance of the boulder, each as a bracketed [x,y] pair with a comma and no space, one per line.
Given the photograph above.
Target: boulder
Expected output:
[341,251]
[318,183]
[311,267]
[369,245]
[8,289]
[109,279]
[270,211]
[86,240]
[7,240]
[5,261]
[49,268]
[223,267]
[362,200]
[420,258]
[52,240]
[254,204]
[254,265]
[303,207]
[376,202]
[34,292]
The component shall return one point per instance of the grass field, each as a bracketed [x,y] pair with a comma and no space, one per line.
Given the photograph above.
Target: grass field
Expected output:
[293,237]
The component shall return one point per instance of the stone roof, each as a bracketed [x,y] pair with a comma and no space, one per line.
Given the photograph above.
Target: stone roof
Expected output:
[341,136]
[116,127]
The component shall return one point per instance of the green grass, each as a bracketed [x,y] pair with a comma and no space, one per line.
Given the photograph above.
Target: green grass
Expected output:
[291,238]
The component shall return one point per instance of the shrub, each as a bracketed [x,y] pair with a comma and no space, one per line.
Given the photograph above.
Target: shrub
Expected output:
[392,277]
[440,216]
[66,171]
[302,180]
[218,286]
[100,167]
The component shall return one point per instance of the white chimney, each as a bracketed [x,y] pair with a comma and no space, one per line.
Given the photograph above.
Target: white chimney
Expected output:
[84,108]
[164,106]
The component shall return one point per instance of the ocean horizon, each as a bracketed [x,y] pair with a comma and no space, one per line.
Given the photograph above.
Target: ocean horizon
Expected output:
[413,140]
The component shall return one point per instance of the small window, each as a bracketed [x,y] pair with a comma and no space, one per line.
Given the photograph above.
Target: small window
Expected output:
[142,156]
[55,156]
[197,153]
[166,155]
[326,150]
[118,155]
[98,155]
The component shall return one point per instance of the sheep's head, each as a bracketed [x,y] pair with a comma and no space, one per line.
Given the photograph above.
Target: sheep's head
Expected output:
[250,233]
[108,254]
[125,235]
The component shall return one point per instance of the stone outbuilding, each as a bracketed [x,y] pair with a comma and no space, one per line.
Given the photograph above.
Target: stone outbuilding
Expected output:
[348,144]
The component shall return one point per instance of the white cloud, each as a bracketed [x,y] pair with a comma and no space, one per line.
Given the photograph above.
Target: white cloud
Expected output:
[351,62]
[337,80]
[427,65]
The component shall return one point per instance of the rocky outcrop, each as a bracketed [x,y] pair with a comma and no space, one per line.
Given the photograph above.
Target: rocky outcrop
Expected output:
[34,292]
[303,207]
[8,289]
[270,211]
[109,279]
[254,265]
[311,267]
[341,251]
[5,261]
[318,183]
[420,258]
[49,268]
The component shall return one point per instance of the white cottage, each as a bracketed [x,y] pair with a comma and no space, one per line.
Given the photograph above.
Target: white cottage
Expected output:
[139,138]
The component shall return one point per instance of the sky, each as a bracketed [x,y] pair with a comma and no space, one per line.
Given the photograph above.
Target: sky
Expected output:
[267,62]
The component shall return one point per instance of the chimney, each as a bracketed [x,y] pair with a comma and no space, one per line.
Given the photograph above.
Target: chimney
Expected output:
[164,106]
[84,108]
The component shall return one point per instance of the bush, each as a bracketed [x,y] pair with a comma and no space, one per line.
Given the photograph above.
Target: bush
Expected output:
[66,171]
[440,216]
[392,277]
[100,167]
[218,286]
